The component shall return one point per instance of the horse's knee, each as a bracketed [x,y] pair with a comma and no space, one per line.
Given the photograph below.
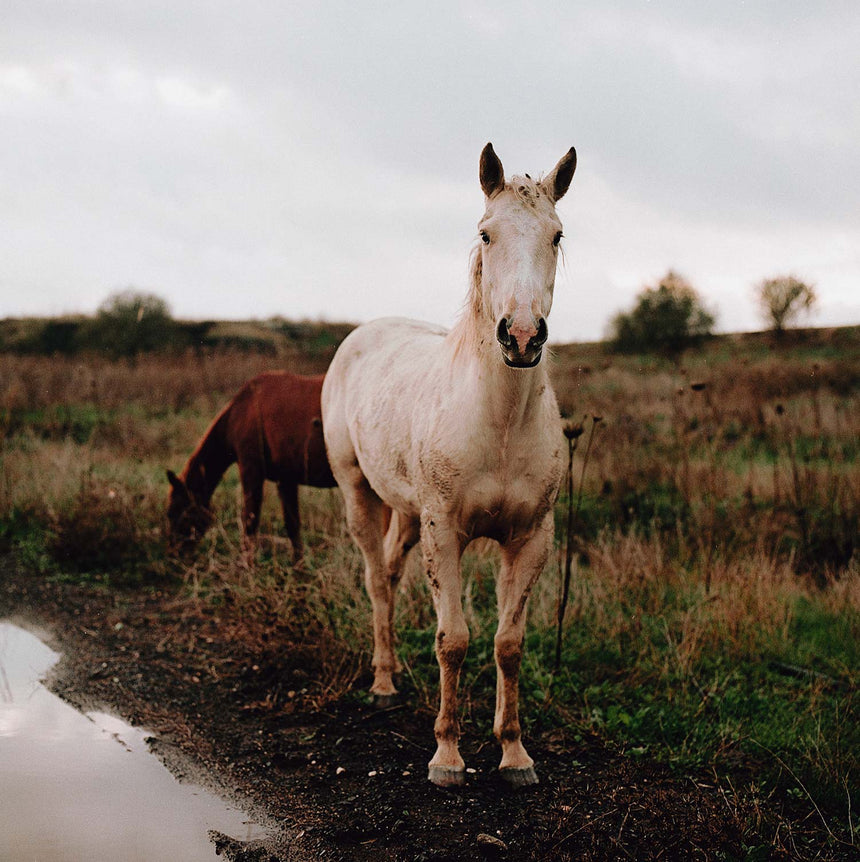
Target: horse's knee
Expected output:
[377,585]
[509,653]
[451,646]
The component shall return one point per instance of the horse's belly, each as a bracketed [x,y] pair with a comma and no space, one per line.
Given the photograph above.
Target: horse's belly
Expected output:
[395,490]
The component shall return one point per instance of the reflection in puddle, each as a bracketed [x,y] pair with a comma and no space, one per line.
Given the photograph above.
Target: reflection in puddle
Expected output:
[76,786]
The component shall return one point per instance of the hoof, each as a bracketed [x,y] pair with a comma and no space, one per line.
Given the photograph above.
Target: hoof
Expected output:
[384,701]
[446,776]
[519,777]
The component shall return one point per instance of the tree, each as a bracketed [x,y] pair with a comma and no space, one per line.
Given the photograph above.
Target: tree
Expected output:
[129,322]
[784,299]
[667,318]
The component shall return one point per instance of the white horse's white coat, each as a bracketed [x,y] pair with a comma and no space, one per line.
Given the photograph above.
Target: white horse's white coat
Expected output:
[459,434]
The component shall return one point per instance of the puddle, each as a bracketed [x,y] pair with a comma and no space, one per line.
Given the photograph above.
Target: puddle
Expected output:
[86,787]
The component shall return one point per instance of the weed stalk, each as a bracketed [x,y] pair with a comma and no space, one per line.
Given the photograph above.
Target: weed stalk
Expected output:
[573,433]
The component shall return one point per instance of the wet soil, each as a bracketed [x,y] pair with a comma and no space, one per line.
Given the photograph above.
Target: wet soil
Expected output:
[226,695]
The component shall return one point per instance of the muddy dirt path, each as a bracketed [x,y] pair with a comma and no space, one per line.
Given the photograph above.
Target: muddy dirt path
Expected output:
[344,782]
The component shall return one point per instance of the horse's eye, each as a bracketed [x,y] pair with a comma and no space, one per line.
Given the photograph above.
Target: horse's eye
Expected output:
[557,238]
[485,237]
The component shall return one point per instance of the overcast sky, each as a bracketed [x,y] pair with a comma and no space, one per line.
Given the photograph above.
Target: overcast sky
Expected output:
[320,160]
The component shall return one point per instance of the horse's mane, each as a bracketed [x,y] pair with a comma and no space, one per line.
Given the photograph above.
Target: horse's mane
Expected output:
[475,297]
[210,458]
[473,306]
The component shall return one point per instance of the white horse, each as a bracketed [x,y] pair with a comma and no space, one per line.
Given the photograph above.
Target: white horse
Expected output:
[458,433]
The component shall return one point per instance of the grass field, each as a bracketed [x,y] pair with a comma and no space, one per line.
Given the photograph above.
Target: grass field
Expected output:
[713,620]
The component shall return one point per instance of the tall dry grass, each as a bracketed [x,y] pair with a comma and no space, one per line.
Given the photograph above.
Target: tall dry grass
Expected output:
[725,450]
[715,540]
[156,382]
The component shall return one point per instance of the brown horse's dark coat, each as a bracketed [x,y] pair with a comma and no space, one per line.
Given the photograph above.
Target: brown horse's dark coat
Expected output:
[272,428]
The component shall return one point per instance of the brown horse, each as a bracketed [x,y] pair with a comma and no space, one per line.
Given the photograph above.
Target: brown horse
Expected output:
[272,427]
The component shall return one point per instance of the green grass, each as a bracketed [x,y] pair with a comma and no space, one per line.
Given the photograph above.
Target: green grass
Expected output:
[684,682]
[701,688]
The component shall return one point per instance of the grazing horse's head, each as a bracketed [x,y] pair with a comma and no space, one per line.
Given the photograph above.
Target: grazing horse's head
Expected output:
[187,519]
[520,235]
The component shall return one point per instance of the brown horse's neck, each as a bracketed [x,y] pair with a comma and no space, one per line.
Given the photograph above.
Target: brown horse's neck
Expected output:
[209,461]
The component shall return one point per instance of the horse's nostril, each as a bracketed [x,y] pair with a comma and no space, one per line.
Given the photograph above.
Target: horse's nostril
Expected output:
[503,334]
[542,333]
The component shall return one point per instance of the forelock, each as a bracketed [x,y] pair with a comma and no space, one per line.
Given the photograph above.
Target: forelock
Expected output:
[528,191]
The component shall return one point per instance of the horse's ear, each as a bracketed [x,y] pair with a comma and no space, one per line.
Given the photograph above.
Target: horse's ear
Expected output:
[175,482]
[492,172]
[558,180]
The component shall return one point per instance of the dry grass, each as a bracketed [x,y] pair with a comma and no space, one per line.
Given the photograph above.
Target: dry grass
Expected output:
[716,541]
[171,383]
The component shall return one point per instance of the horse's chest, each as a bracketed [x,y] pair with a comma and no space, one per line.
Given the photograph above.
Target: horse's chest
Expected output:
[500,488]
[501,506]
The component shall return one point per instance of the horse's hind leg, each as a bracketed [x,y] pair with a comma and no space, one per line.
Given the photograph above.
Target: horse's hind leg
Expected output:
[521,567]
[367,517]
[402,535]
[289,494]
[442,550]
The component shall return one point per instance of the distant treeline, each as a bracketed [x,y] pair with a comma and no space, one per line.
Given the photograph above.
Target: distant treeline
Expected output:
[127,336]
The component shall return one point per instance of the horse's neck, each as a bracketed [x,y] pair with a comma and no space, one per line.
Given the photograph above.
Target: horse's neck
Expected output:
[504,396]
[209,461]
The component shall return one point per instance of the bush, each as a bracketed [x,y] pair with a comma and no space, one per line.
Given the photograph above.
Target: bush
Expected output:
[129,323]
[666,318]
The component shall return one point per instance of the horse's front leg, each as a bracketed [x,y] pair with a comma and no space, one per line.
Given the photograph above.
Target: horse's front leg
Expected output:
[522,564]
[289,493]
[251,475]
[442,549]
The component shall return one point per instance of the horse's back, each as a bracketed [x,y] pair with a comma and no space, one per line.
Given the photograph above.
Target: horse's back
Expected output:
[388,346]
[276,417]
[282,401]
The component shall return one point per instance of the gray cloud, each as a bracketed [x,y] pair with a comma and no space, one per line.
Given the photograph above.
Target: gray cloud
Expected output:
[317,159]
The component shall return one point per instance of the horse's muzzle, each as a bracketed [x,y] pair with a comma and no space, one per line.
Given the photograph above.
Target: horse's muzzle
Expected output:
[511,339]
